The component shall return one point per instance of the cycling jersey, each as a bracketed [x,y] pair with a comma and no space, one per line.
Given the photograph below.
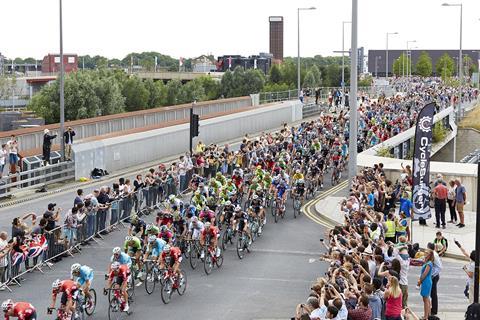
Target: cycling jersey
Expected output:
[86,273]
[298,176]
[175,254]
[154,230]
[23,311]
[68,287]
[166,235]
[123,259]
[122,275]
[207,215]
[137,245]
[237,180]
[212,232]
[156,247]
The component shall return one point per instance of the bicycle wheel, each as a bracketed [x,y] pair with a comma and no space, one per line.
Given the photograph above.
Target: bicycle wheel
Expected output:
[91,303]
[254,228]
[273,208]
[193,257]
[78,314]
[225,239]
[276,214]
[219,261]
[113,307]
[150,280]
[182,284]
[167,291]
[240,247]
[131,289]
[208,262]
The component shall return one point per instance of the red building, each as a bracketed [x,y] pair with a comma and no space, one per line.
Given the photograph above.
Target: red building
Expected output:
[51,63]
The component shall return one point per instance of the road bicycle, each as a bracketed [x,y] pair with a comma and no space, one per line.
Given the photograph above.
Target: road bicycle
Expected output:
[243,244]
[171,282]
[211,259]
[116,303]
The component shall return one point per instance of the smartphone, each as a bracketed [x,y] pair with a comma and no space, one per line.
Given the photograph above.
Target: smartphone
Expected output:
[321,239]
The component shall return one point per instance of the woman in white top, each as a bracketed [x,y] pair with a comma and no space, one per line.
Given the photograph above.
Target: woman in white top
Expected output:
[3,158]
[451,201]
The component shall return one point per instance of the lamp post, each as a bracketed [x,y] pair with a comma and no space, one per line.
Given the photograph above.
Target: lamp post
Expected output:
[62,87]
[460,55]
[298,47]
[408,63]
[386,54]
[352,141]
[376,65]
[343,61]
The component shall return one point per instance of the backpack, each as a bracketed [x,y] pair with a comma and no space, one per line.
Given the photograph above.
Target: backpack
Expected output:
[473,312]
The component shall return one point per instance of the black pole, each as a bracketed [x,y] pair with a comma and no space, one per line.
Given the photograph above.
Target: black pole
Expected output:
[191,130]
[477,241]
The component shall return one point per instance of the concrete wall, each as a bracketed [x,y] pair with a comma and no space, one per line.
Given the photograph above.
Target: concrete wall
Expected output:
[130,150]
[32,138]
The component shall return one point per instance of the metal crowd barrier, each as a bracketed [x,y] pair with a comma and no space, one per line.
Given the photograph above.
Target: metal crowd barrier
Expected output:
[66,240]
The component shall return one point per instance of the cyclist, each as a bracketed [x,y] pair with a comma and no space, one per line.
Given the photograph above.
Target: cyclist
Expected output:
[240,222]
[207,215]
[299,189]
[227,213]
[20,310]
[133,246]
[281,193]
[195,228]
[258,209]
[120,257]
[69,290]
[166,234]
[172,200]
[154,248]
[137,226]
[220,178]
[119,276]
[298,175]
[83,276]
[175,255]
[152,230]
[212,232]
[198,199]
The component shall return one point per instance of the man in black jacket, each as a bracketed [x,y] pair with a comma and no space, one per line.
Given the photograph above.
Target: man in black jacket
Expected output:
[68,138]
[47,146]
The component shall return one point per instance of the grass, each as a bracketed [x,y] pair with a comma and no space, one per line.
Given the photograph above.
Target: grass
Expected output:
[472,120]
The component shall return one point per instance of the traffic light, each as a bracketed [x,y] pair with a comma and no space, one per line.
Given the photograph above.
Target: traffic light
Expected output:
[194,125]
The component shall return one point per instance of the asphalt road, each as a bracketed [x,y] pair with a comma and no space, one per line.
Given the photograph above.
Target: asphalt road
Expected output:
[266,284]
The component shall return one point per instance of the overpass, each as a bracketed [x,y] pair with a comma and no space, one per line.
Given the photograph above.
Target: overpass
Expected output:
[182,76]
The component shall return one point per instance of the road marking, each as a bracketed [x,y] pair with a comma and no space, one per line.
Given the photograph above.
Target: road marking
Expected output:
[276,280]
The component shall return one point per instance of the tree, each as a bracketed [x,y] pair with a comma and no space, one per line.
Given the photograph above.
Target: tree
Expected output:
[191,91]
[226,84]
[445,66]
[174,88]
[275,75]
[157,93]
[334,75]
[210,86]
[401,65]
[309,81]
[318,76]
[136,95]
[424,65]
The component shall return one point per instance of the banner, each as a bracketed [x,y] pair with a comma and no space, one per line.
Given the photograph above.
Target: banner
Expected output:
[421,163]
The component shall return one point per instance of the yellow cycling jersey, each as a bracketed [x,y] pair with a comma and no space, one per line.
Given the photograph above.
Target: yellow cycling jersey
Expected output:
[298,176]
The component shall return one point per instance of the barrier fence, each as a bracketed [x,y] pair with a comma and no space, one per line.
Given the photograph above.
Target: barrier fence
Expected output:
[41,250]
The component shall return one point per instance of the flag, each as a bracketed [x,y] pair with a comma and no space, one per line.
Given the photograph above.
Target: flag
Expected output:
[255,64]
[229,62]
[37,246]
[180,61]
[421,162]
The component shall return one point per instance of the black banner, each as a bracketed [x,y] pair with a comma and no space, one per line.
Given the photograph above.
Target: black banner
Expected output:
[421,162]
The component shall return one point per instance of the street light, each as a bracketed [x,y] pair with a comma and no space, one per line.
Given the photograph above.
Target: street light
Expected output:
[376,65]
[343,61]
[298,44]
[62,85]
[386,55]
[353,130]
[406,53]
[460,55]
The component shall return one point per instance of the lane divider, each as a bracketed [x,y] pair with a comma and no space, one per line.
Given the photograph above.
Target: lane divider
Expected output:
[314,215]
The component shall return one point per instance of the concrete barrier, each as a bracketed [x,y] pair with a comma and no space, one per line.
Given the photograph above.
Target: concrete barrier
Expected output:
[129,150]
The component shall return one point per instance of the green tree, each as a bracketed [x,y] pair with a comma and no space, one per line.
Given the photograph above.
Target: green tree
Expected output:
[445,66]
[174,88]
[334,75]
[157,93]
[136,95]
[191,91]
[309,81]
[227,85]
[424,65]
[401,64]
[316,73]
[275,74]
[210,86]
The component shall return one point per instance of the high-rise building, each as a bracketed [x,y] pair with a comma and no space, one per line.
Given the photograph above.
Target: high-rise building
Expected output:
[276,37]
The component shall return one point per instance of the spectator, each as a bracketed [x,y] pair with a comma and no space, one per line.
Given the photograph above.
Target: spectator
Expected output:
[362,311]
[47,146]
[440,193]
[40,228]
[79,198]
[3,158]
[182,173]
[451,201]
[374,301]
[52,216]
[68,139]
[469,270]
[425,283]
[393,300]
[440,244]
[4,251]
[303,310]
[404,259]
[437,268]
[200,147]
[12,147]
[460,199]
[70,227]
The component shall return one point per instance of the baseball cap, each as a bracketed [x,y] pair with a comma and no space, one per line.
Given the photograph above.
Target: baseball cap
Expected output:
[51,206]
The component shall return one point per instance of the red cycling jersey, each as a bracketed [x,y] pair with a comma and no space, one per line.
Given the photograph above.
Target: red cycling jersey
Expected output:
[212,232]
[123,273]
[69,287]
[175,253]
[22,310]
[207,215]
[237,180]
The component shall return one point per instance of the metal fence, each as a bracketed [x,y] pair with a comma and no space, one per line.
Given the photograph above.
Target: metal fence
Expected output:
[36,178]
[38,252]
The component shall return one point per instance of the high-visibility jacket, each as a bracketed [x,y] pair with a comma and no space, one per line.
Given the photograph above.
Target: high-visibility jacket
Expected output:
[390,233]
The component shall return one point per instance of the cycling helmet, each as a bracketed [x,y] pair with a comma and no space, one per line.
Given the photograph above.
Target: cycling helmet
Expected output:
[56,284]
[255,197]
[166,248]
[149,227]
[297,171]
[197,193]
[238,208]
[171,197]
[207,225]
[227,203]
[128,238]
[300,181]
[164,228]
[117,250]
[115,266]
[75,267]
[152,238]
[133,218]
[259,188]
[7,304]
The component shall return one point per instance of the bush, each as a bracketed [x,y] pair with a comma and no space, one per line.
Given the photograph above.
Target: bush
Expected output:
[384,152]
[439,132]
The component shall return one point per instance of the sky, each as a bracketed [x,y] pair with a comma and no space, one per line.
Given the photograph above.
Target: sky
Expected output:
[189,28]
